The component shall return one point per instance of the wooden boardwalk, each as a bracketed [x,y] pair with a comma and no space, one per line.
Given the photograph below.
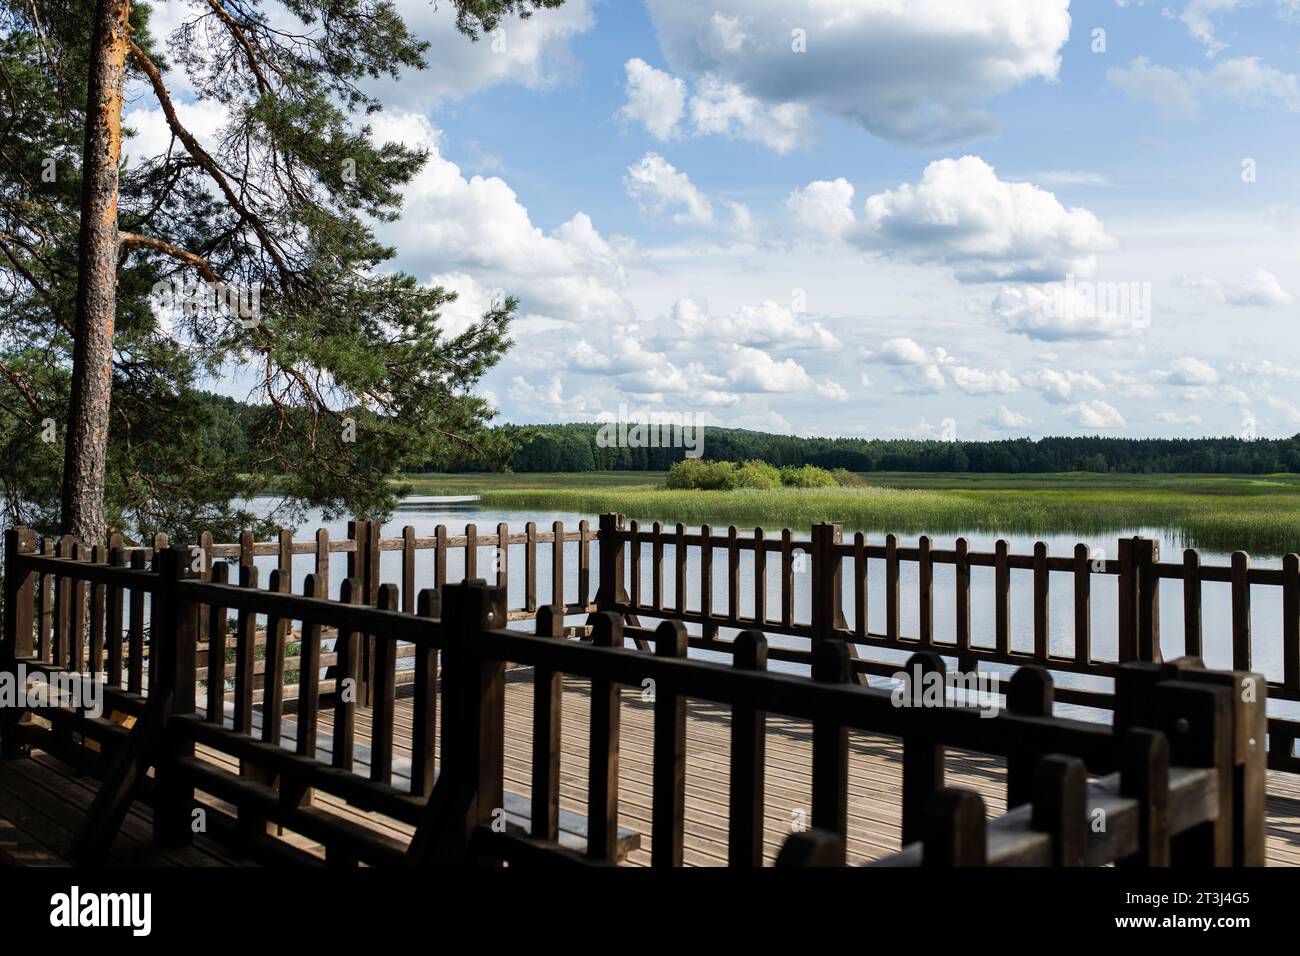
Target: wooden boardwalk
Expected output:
[41,800]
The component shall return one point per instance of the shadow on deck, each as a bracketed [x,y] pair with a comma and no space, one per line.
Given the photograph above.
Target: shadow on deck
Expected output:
[43,800]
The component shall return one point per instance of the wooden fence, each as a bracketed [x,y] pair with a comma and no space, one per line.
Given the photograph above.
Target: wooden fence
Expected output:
[63,606]
[644,572]
[1181,771]
[1137,570]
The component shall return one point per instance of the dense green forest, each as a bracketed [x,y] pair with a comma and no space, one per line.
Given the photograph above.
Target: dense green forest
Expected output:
[577,448]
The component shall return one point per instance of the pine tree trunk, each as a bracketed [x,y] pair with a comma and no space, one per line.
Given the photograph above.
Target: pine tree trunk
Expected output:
[86,449]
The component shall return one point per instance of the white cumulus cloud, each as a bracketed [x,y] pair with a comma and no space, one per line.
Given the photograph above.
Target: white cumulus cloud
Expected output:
[655,98]
[1095,414]
[960,215]
[766,325]
[1189,371]
[532,52]
[975,381]
[823,208]
[914,72]
[1070,310]
[1004,419]
[478,227]
[725,109]
[984,228]
[1062,385]
[660,186]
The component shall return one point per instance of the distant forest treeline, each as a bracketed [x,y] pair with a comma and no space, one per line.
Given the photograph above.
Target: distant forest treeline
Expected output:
[576,448]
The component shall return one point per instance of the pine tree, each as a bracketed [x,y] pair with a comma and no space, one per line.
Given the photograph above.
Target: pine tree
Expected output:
[268,237]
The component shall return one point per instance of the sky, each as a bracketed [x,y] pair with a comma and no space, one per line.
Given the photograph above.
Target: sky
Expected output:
[878,218]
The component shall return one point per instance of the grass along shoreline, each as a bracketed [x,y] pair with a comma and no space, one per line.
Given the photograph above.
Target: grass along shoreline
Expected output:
[1260,514]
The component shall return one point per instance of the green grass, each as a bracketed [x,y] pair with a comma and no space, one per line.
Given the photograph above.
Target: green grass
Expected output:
[1223,513]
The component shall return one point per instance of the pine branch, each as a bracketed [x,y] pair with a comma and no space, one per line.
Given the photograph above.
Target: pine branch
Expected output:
[201,265]
[206,162]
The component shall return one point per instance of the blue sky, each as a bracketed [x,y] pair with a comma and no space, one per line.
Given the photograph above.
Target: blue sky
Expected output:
[566,149]
[976,217]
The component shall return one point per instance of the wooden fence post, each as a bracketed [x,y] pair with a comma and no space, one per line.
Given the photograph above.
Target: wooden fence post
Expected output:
[383,715]
[828,619]
[1060,789]
[370,584]
[363,566]
[19,595]
[1042,603]
[602,757]
[668,794]
[481,701]
[547,716]
[1134,695]
[1240,610]
[609,589]
[1126,593]
[1251,774]
[954,832]
[811,848]
[1197,719]
[1144,777]
[827,580]
[923,756]
[1147,556]
[708,628]
[1029,695]
[1001,598]
[470,789]
[347,653]
[173,638]
[748,743]
[358,558]
[323,561]
[1139,600]
[1248,758]
[830,746]
[425,709]
[59,643]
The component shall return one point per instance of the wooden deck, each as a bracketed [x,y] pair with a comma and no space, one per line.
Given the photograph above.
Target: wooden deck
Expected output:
[41,800]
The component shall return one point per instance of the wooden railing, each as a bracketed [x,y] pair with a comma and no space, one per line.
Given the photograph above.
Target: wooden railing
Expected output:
[114,621]
[645,571]
[1187,743]
[365,547]
[1183,766]
[837,572]
[161,696]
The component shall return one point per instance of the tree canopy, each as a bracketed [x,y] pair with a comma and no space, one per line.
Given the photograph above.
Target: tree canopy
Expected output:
[348,372]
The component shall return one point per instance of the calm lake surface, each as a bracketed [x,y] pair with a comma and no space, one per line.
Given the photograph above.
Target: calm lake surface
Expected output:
[1266,603]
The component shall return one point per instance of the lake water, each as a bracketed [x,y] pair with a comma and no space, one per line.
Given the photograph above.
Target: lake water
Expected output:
[1266,603]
